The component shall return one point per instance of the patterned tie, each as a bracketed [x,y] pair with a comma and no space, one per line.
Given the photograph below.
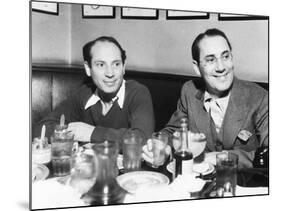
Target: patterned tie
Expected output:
[216,114]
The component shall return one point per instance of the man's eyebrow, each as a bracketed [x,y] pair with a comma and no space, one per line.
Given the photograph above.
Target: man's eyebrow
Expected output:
[213,55]
[98,60]
[226,51]
[210,55]
[117,60]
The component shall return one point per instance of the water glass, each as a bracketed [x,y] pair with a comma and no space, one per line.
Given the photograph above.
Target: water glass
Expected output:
[132,150]
[61,152]
[83,170]
[226,173]
[159,144]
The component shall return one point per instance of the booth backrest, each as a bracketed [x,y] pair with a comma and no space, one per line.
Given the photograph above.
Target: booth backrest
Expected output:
[52,84]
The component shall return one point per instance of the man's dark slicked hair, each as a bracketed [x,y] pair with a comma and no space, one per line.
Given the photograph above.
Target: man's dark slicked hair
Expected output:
[88,46]
[195,50]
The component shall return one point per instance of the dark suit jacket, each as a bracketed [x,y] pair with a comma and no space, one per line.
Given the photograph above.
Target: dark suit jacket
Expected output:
[247,111]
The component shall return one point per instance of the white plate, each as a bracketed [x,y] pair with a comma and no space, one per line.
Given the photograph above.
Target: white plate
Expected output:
[138,179]
[39,172]
[203,168]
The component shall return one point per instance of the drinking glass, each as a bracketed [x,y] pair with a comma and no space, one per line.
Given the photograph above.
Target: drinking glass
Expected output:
[83,170]
[226,173]
[106,189]
[61,151]
[132,150]
[159,143]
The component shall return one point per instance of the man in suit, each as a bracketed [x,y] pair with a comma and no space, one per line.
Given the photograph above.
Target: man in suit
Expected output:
[233,114]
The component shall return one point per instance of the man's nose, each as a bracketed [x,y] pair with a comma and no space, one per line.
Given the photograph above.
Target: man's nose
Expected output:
[109,72]
[220,65]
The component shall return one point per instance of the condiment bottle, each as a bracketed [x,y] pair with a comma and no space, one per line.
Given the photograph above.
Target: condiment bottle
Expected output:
[41,150]
[183,156]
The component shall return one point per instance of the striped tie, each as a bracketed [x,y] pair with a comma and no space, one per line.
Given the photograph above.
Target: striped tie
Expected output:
[216,114]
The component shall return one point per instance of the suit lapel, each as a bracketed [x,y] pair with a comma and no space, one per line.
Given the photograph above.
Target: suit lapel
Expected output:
[235,114]
[202,119]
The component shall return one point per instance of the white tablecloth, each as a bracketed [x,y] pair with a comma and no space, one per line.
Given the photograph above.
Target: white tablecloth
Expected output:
[248,191]
[52,194]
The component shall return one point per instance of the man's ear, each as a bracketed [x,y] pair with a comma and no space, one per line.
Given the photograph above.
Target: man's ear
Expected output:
[124,67]
[87,69]
[196,67]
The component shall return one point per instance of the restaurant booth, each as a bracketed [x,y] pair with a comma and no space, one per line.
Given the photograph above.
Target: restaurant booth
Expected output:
[51,84]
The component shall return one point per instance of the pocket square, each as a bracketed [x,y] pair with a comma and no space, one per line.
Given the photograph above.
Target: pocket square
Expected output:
[244,135]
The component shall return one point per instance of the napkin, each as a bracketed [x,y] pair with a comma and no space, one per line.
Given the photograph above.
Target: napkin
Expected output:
[188,183]
[247,191]
[155,193]
[179,189]
[52,194]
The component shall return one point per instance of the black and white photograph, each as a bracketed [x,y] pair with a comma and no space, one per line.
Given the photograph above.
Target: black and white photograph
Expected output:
[137,105]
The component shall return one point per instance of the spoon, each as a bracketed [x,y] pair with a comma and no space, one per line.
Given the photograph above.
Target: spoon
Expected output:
[62,120]
[43,131]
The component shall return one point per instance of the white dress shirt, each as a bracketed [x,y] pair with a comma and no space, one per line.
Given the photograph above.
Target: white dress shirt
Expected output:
[217,108]
[106,106]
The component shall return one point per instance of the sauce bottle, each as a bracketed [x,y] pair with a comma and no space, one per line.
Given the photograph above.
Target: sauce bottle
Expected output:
[183,156]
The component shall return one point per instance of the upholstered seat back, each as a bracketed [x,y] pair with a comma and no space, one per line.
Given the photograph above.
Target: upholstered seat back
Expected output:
[52,84]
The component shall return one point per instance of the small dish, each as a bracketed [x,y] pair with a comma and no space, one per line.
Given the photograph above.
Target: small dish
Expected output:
[138,179]
[39,172]
[203,168]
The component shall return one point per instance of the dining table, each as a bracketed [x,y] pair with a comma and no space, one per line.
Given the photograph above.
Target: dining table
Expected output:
[250,181]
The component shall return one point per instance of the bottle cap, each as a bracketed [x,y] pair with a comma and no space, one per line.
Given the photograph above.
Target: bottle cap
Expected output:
[183,122]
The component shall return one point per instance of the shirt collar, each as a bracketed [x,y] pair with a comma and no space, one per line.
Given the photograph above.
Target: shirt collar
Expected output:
[222,102]
[120,96]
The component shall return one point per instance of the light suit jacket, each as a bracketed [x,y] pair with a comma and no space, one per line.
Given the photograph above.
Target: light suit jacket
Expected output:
[245,124]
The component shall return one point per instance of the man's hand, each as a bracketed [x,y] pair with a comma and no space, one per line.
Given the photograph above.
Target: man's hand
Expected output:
[210,157]
[196,143]
[81,131]
[147,153]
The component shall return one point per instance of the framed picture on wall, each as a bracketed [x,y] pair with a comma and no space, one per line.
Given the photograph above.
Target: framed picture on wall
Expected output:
[180,15]
[239,17]
[98,11]
[45,7]
[139,13]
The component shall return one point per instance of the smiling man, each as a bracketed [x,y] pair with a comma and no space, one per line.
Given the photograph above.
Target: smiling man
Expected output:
[107,107]
[233,114]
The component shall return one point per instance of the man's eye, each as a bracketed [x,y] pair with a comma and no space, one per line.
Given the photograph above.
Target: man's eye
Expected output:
[225,57]
[99,64]
[116,64]
[211,60]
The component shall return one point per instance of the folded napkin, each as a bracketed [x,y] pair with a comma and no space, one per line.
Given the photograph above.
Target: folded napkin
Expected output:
[52,194]
[247,191]
[179,189]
